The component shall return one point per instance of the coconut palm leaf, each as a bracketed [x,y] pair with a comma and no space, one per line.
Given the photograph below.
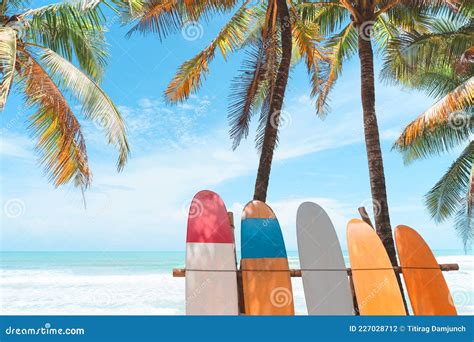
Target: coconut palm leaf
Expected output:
[413,53]
[96,105]
[342,46]
[464,218]
[384,31]
[167,16]
[441,127]
[190,74]
[307,38]
[158,16]
[6,6]
[60,140]
[37,49]
[73,30]
[330,16]
[464,225]
[7,62]
[450,191]
[245,90]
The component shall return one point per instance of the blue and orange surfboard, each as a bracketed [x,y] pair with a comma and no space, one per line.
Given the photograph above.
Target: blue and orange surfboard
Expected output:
[266,280]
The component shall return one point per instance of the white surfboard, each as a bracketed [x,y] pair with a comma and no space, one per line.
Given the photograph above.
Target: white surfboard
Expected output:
[211,270]
[325,280]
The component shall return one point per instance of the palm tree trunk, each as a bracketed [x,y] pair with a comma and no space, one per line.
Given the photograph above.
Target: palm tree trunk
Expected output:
[271,128]
[374,152]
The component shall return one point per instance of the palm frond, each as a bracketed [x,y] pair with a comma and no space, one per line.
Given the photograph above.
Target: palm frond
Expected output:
[407,17]
[307,37]
[159,16]
[414,53]
[60,140]
[191,73]
[7,62]
[73,30]
[330,16]
[167,16]
[129,10]
[383,32]
[96,105]
[342,46]
[450,191]
[245,88]
[11,6]
[464,226]
[441,127]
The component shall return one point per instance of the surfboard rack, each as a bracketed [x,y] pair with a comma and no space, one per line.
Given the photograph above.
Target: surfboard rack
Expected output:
[296,273]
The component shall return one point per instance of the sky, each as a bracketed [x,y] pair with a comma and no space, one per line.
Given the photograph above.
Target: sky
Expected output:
[178,150]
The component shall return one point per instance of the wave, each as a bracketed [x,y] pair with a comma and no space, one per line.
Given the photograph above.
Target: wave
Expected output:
[65,292]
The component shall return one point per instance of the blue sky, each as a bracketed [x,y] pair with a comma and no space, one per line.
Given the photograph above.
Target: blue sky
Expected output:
[179,150]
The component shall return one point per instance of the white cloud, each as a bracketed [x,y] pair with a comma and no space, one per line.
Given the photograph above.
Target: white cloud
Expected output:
[15,146]
[390,133]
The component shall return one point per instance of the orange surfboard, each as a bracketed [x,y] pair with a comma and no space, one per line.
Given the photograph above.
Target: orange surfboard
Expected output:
[375,284]
[429,294]
[266,281]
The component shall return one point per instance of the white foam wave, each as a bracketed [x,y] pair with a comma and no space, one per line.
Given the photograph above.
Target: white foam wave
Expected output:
[55,292]
[65,293]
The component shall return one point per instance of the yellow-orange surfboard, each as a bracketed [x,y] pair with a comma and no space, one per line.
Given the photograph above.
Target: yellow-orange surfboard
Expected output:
[429,294]
[266,281]
[375,284]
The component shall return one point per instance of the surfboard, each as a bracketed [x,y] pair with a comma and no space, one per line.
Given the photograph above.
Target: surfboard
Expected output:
[429,294]
[325,281]
[266,280]
[211,268]
[375,284]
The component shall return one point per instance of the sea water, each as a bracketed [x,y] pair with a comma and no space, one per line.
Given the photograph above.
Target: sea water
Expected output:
[140,283]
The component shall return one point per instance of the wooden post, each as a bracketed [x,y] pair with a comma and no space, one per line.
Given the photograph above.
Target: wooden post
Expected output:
[354,298]
[365,216]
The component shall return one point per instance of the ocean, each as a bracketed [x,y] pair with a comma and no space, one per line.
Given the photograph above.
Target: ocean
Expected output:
[140,283]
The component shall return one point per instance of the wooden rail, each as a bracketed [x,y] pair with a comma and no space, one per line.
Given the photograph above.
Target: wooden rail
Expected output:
[296,273]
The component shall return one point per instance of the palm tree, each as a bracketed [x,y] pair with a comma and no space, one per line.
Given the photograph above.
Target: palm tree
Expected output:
[272,32]
[440,62]
[356,27]
[37,50]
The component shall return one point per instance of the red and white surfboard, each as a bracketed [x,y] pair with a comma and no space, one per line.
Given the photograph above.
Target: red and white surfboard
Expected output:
[211,268]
